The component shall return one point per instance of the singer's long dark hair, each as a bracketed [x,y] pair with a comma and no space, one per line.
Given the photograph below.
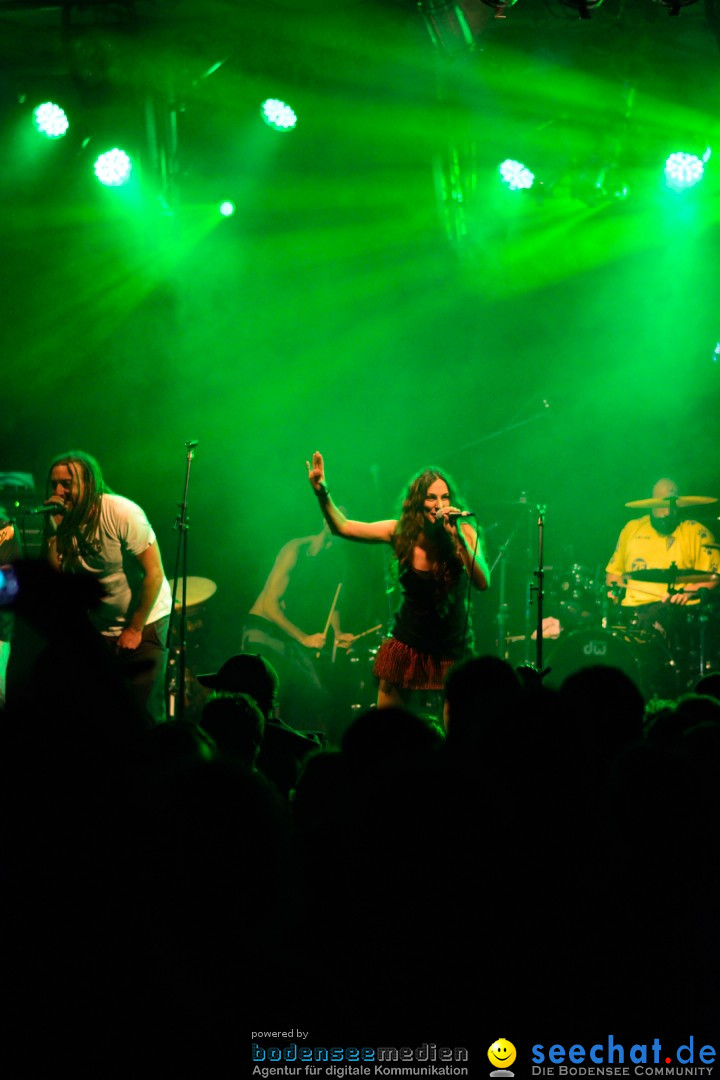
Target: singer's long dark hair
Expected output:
[78,528]
[412,524]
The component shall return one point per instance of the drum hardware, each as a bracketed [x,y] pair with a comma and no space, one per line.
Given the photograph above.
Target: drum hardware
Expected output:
[503,612]
[348,673]
[579,594]
[703,619]
[671,501]
[693,642]
[535,578]
[610,601]
[685,630]
[199,589]
[673,575]
[364,690]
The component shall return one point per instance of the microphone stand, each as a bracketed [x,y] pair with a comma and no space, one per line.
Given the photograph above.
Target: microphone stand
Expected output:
[177,661]
[539,574]
[529,588]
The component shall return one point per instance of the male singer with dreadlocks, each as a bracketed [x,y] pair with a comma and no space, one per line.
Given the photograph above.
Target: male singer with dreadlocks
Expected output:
[109,537]
[438,556]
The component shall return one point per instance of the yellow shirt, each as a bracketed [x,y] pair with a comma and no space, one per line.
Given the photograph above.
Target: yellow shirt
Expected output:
[640,547]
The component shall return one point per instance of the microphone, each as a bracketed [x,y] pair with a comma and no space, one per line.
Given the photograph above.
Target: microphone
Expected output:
[453,515]
[48,508]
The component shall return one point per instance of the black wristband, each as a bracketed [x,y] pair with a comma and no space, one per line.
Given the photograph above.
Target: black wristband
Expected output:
[322,493]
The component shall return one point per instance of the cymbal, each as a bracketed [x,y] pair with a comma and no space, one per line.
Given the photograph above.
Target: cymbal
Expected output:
[672,576]
[199,589]
[680,501]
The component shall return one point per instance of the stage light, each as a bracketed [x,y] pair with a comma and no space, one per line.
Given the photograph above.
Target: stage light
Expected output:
[50,120]
[227,209]
[685,170]
[516,175]
[278,115]
[113,168]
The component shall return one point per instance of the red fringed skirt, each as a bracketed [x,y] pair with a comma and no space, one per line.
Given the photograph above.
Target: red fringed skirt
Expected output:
[409,669]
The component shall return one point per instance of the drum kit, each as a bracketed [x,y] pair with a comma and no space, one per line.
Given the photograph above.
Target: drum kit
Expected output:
[664,647]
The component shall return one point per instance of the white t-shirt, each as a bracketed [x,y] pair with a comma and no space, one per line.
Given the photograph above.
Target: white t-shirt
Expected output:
[123,533]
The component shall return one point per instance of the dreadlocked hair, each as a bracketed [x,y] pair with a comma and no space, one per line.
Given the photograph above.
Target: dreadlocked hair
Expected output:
[412,524]
[78,528]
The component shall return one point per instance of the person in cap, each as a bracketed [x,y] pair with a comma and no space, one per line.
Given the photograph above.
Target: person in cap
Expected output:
[247,673]
[236,724]
[283,749]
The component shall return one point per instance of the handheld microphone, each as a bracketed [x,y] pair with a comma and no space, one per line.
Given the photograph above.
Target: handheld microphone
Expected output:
[453,515]
[48,508]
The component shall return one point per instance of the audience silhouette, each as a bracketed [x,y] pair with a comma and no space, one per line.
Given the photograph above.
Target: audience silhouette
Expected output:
[540,854]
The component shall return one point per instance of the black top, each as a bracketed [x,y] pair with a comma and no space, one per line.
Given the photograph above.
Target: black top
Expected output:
[433,615]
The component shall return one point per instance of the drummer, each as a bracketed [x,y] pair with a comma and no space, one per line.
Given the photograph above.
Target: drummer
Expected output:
[285,625]
[661,541]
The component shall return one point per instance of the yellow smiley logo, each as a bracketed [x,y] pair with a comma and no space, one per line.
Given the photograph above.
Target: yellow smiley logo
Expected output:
[502,1054]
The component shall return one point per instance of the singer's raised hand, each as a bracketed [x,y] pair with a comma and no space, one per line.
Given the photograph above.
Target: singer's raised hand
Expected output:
[316,470]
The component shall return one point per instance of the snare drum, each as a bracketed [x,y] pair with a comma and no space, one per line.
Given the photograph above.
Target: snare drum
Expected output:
[642,655]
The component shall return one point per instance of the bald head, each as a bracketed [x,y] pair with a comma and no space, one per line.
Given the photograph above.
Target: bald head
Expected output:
[665,518]
[664,488]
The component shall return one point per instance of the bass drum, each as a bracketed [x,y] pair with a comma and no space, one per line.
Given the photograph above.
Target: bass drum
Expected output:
[643,656]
